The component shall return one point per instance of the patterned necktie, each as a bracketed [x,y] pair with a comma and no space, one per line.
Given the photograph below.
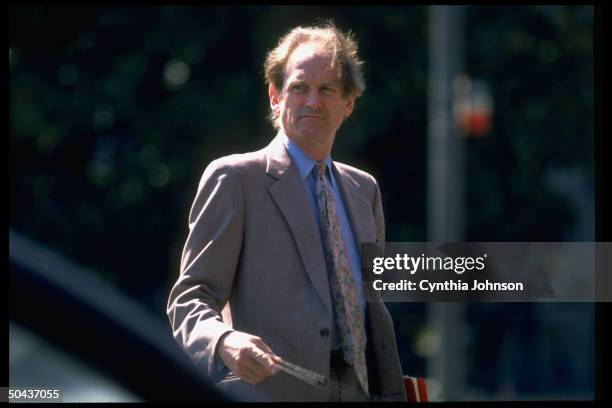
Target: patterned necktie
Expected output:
[344,294]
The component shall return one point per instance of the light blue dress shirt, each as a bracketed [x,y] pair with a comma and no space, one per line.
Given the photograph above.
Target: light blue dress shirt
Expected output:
[304,166]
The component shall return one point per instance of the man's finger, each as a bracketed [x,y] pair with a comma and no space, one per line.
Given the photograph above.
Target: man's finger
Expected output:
[249,375]
[268,350]
[266,361]
[257,367]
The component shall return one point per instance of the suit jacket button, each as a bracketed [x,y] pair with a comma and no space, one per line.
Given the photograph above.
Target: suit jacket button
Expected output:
[324,332]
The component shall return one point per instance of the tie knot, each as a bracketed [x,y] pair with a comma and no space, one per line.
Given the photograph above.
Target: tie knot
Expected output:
[319,168]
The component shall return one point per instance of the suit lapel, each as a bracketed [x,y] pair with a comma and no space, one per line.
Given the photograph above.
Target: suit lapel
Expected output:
[358,208]
[360,211]
[291,199]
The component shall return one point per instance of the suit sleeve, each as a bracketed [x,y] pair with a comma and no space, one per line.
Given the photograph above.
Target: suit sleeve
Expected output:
[208,265]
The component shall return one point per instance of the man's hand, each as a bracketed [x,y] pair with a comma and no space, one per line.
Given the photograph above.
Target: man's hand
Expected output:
[247,356]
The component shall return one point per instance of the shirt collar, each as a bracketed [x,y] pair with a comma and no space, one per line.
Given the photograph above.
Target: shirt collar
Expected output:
[301,160]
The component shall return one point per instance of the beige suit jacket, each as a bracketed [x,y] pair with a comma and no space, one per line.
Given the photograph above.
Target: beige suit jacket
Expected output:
[253,261]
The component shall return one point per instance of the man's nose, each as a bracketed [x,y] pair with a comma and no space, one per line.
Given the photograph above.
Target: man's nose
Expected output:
[313,99]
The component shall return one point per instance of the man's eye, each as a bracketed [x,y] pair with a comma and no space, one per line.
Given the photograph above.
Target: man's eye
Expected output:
[328,90]
[298,87]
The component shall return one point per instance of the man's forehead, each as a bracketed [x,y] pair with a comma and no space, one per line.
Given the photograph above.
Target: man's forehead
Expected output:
[308,49]
[311,58]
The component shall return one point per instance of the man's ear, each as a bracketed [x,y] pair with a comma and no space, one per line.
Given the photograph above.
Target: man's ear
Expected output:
[274,96]
[350,105]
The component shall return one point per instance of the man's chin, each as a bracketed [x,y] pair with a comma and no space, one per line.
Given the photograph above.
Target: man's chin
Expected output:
[313,134]
[312,126]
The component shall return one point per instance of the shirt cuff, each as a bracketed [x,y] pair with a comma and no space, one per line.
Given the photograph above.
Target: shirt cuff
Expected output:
[220,369]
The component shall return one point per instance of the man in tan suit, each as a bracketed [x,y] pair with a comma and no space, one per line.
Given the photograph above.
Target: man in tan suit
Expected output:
[254,287]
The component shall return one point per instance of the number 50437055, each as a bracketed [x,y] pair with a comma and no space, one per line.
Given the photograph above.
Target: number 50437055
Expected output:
[33,393]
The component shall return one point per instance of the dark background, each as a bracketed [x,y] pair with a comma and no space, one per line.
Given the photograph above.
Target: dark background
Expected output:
[114,112]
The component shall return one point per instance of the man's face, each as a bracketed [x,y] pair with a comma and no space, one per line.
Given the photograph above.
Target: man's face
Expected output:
[311,106]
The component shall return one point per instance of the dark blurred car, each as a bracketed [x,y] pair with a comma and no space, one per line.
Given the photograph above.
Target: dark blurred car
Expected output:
[67,324]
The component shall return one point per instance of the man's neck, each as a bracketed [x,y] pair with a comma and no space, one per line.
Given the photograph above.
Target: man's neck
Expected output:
[314,151]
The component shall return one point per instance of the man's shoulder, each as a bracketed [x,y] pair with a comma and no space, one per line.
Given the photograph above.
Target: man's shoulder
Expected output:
[361,177]
[234,167]
[240,160]
[238,163]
